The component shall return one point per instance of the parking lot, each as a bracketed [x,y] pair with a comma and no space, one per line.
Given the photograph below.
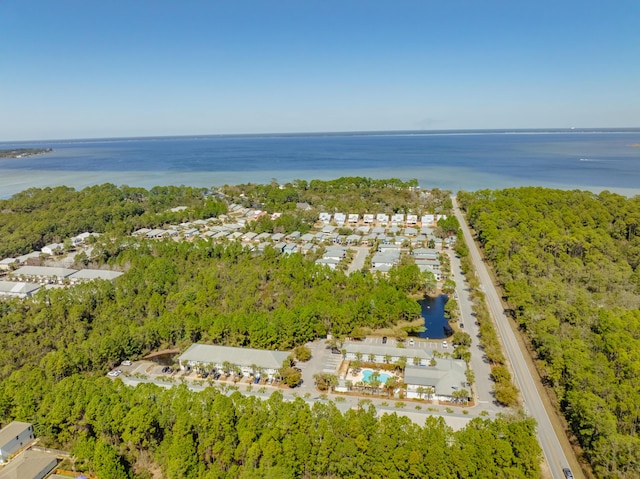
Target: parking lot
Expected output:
[418,343]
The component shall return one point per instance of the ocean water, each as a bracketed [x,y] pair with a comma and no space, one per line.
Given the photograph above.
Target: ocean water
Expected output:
[589,160]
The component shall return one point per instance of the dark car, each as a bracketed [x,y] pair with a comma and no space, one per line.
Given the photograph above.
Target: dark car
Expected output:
[384,340]
[461,325]
[335,351]
[567,473]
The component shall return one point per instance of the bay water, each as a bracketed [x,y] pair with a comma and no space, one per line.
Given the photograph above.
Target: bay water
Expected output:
[453,160]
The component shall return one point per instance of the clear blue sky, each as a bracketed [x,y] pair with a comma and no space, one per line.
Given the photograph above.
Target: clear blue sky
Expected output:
[77,68]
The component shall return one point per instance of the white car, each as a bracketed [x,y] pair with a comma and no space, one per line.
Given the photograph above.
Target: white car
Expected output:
[115,373]
[412,342]
[126,363]
[445,345]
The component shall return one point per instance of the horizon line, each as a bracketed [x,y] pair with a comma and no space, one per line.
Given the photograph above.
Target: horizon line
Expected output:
[635,129]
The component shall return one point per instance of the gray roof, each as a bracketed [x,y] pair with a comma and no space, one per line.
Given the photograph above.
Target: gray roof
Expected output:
[207,353]
[95,274]
[11,430]
[44,271]
[12,288]
[8,261]
[383,349]
[29,465]
[446,376]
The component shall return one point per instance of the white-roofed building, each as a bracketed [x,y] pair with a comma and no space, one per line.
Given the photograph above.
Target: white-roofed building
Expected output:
[368,218]
[8,263]
[325,218]
[12,289]
[340,218]
[397,219]
[445,377]
[92,274]
[382,219]
[214,357]
[428,220]
[41,272]
[354,218]
[412,220]
[53,248]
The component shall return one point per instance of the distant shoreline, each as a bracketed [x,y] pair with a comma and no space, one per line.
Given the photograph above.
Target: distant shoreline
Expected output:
[320,134]
[23,152]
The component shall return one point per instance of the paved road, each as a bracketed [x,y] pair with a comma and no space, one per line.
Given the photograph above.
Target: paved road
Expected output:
[483,387]
[358,262]
[549,441]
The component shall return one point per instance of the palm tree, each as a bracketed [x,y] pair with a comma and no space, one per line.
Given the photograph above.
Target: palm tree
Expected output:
[372,358]
[420,390]
[390,384]
[416,361]
[402,363]
[429,391]
[387,358]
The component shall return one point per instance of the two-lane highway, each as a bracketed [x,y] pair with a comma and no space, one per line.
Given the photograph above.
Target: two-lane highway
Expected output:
[549,440]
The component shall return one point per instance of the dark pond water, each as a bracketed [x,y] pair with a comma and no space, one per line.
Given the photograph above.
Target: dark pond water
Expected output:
[437,326]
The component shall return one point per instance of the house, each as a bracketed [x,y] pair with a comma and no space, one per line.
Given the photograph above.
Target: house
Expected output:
[353,239]
[445,376]
[335,252]
[290,248]
[81,238]
[382,219]
[330,262]
[410,231]
[427,220]
[368,219]
[340,218]
[14,437]
[354,218]
[397,219]
[250,236]
[29,465]
[293,236]
[277,237]
[412,220]
[364,229]
[250,361]
[307,238]
[325,218]
[8,263]
[53,248]
[303,206]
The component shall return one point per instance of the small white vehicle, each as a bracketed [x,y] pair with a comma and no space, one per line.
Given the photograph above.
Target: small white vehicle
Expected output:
[126,362]
[412,342]
[115,373]
[445,345]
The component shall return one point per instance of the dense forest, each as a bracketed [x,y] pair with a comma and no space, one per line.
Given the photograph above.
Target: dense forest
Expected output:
[569,264]
[119,432]
[56,347]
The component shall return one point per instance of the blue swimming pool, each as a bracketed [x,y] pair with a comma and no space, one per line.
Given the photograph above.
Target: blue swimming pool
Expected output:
[367,375]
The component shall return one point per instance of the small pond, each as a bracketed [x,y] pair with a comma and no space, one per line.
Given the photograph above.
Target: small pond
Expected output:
[437,326]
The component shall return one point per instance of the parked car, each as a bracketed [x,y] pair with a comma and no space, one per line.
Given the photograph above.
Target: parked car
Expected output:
[167,370]
[115,373]
[445,345]
[567,473]
[411,342]
[126,362]
[384,340]
[461,325]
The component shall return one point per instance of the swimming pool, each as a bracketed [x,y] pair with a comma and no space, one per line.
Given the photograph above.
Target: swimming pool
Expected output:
[366,375]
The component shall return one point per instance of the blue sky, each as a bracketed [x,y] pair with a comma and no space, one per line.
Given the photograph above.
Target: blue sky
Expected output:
[77,68]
